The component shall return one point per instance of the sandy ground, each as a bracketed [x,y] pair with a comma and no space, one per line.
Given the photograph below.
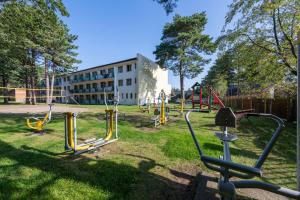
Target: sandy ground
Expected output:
[38,109]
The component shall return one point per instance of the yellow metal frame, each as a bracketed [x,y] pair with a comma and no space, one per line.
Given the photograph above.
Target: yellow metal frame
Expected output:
[37,123]
[71,140]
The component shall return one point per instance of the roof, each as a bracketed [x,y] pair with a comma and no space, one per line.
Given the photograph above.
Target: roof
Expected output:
[113,63]
[196,85]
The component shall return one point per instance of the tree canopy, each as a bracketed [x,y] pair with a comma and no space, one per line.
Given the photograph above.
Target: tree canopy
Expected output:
[33,37]
[183,45]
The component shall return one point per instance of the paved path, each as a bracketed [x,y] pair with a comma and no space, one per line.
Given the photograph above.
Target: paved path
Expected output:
[38,109]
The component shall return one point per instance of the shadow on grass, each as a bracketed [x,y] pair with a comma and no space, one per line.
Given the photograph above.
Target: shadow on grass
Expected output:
[119,179]
[233,151]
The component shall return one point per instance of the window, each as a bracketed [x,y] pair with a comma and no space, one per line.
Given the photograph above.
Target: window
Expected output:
[122,95]
[68,78]
[65,79]
[120,83]
[128,81]
[110,84]
[65,88]
[94,74]
[69,88]
[103,84]
[131,96]
[128,68]
[126,95]
[103,71]
[135,80]
[135,95]
[134,65]
[88,86]
[94,85]
[120,69]
[111,70]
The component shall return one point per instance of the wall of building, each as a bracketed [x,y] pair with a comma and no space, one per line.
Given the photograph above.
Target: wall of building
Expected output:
[127,92]
[151,80]
[134,79]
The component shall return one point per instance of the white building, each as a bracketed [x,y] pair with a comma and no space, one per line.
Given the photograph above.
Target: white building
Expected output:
[137,79]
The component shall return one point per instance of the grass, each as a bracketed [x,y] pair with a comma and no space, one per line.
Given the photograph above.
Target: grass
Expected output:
[146,163]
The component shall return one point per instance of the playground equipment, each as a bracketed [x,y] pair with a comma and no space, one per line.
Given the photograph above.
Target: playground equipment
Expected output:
[38,123]
[146,107]
[93,143]
[162,112]
[229,169]
[180,109]
[211,99]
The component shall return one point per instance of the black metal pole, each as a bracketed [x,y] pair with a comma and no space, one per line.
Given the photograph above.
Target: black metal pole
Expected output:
[298,117]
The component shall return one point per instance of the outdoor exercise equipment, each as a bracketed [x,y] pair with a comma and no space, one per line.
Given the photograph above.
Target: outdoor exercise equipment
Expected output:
[93,143]
[179,108]
[146,107]
[161,114]
[229,169]
[38,123]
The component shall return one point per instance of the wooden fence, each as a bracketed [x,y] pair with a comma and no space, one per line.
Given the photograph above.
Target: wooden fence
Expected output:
[282,107]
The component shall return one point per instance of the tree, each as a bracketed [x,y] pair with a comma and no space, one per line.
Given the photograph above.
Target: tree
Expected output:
[168,5]
[33,33]
[269,25]
[182,46]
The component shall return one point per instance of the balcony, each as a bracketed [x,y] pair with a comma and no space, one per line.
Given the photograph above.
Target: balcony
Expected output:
[93,90]
[92,78]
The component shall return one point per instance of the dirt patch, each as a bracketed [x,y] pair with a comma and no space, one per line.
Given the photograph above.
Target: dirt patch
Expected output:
[206,187]
[19,109]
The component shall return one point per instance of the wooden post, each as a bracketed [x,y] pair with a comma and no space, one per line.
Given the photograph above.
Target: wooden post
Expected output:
[298,118]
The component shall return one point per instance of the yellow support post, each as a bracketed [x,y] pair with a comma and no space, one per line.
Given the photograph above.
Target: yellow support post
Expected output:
[181,105]
[162,109]
[111,122]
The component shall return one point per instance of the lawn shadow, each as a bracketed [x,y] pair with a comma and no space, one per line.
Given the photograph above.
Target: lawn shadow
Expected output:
[121,180]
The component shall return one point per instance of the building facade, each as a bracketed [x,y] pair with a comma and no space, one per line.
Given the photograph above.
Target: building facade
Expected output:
[137,80]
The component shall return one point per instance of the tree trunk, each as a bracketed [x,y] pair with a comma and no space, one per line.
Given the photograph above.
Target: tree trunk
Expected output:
[27,86]
[33,76]
[51,89]
[47,81]
[32,83]
[181,77]
[5,91]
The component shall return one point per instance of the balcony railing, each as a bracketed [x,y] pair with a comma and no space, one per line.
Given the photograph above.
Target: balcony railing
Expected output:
[97,77]
[93,90]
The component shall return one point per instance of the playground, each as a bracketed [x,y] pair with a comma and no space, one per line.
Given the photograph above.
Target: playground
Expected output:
[149,100]
[145,163]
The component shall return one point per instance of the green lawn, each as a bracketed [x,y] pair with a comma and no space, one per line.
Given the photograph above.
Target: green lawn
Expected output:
[145,163]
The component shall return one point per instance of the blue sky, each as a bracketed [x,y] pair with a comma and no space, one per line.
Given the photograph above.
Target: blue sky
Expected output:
[111,30]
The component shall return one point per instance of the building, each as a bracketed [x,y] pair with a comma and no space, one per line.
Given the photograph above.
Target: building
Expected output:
[136,79]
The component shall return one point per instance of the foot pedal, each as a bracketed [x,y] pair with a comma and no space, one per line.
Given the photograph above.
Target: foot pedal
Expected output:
[229,137]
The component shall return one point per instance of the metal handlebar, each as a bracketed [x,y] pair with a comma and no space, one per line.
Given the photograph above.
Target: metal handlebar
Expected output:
[250,171]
